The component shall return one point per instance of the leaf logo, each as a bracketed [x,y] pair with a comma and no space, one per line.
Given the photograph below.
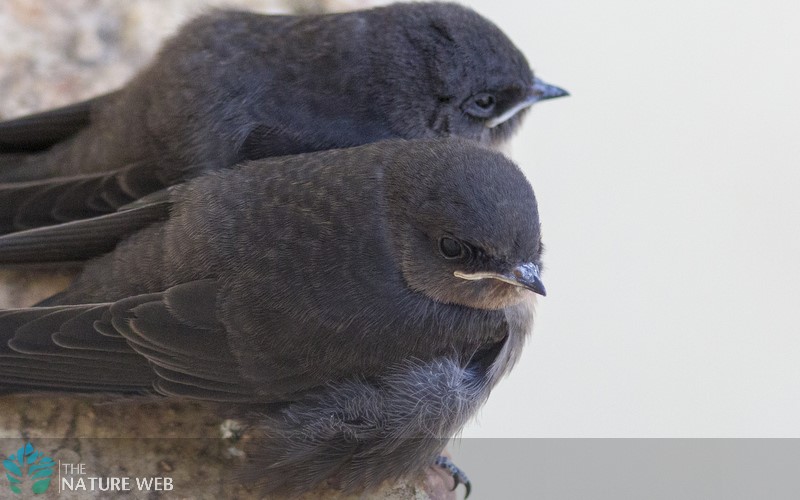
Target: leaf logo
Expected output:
[27,462]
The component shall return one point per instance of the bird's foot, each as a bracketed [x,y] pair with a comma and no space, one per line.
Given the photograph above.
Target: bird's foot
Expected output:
[459,477]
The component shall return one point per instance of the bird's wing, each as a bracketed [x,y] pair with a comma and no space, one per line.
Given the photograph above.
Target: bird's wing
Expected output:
[54,200]
[31,358]
[169,343]
[268,140]
[33,204]
[81,239]
[39,131]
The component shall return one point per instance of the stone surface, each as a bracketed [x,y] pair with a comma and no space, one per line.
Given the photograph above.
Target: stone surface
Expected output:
[54,53]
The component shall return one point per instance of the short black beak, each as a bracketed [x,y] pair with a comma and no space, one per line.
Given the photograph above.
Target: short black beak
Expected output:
[541,91]
[527,276]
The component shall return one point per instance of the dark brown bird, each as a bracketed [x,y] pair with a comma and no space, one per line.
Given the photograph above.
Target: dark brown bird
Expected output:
[233,86]
[358,305]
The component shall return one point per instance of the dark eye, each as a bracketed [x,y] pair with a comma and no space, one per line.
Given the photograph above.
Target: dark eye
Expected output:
[485,101]
[481,105]
[450,248]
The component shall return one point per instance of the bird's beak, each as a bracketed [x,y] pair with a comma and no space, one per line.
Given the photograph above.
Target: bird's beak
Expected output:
[527,276]
[539,91]
[524,276]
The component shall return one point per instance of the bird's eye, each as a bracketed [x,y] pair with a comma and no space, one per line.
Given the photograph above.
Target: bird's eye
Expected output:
[485,101]
[450,248]
[481,105]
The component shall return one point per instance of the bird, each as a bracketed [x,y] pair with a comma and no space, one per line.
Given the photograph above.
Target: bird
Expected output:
[232,86]
[356,306]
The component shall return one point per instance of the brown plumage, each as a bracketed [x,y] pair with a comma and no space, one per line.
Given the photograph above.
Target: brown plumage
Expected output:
[357,305]
[233,86]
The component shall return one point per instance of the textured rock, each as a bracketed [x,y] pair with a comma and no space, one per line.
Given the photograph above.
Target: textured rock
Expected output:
[54,53]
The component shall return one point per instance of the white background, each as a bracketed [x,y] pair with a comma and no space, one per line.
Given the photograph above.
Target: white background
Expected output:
[668,186]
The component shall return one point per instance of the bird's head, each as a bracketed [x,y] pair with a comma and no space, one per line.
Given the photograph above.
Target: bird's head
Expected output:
[465,223]
[446,71]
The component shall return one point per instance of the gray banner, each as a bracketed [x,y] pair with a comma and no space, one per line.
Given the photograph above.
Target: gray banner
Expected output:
[539,469]
[652,469]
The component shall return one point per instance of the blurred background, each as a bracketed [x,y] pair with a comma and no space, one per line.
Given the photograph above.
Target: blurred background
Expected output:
[669,191]
[668,186]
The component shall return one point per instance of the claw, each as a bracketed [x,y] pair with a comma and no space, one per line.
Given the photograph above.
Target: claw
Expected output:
[458,475]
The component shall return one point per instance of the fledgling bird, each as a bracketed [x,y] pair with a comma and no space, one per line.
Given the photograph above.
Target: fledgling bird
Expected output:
[360,303]
[233,86]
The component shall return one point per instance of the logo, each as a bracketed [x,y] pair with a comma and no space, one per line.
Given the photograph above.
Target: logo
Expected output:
[28,466]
